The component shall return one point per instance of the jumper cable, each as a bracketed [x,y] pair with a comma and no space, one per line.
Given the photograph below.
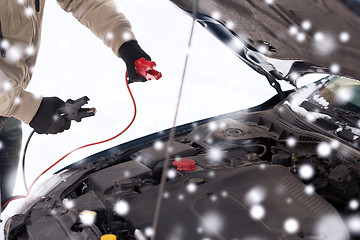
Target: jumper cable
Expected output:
[147,71]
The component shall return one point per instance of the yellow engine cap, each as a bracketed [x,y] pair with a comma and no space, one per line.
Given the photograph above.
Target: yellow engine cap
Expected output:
[108,237]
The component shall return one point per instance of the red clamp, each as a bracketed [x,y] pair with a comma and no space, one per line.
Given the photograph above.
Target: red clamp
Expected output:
[145,68]
[184,164]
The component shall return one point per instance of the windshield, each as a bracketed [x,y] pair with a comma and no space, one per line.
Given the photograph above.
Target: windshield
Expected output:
[342,92]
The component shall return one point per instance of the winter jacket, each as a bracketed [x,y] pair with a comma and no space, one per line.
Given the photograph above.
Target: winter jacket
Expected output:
[20,29]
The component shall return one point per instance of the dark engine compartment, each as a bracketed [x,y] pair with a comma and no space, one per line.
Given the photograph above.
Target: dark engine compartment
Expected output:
[243,181]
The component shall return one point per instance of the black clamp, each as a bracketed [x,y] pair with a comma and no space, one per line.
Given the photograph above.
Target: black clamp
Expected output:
[73,111]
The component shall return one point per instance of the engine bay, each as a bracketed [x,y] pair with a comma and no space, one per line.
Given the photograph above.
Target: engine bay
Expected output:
[242,177]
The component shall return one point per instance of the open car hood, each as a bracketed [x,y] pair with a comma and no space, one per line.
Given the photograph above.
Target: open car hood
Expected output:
[285,39]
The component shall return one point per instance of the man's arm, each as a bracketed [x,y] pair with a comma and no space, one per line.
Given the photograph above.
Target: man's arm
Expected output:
[15,101]
[40,113]
[103,18]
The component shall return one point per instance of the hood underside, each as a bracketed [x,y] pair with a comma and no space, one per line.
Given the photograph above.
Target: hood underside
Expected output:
[318,36]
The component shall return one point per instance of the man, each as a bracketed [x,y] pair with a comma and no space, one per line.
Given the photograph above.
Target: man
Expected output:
[20,28]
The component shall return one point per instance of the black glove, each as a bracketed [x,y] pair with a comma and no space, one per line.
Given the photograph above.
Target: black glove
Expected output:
[47,119]
[130,52]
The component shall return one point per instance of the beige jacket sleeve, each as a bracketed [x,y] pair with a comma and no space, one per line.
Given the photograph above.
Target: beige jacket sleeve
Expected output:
[19,103]
[103,18]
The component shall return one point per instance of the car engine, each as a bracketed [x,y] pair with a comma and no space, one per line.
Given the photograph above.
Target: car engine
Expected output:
[247,176]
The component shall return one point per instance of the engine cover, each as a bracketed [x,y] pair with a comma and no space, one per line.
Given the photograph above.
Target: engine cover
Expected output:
[239,204]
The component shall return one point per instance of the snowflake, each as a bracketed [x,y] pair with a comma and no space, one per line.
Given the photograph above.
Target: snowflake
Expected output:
[55,117]
[29,11]
[323,149]
[17,101]
[300,37]
[149,231]
[127,174]
[255,196]
[331,227]
[30,50]
[87,217]
[170,149]
[6,85]
[236,44]
[309,189]
[293,30]
[324,43]
[354,204]
[319,36]
[212,174]
[344,37]
[191,187]
[196,137]
[171,173]
[138,158]
[181,197]
[306,25]
[224,194]
[230,25]
[139,235]
[291,141]
[122,207]
[344,95]
[158,145]
[222,125]
[334,144]
[68,203]
[334,68]
[291,225]
[176,233]
[194,125]
[212,126]
[263,49]
[126,36]
[212,222]
[14,54]
[353,224]
[257,212]
[213,198]
[306,171]
[269,2]
[215,155]
[166,194]
[5,44]
[215,15]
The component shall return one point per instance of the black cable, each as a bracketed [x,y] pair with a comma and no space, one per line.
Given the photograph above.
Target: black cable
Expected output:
[23,159]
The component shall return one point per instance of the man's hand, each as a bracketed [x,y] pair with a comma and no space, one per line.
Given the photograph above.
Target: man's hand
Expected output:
[130,52]
[47,119]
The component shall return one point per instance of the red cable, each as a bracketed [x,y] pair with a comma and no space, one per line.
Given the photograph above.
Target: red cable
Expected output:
[88,145]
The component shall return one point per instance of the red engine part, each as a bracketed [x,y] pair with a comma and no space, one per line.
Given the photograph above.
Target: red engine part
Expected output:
[184,164]
[145,68]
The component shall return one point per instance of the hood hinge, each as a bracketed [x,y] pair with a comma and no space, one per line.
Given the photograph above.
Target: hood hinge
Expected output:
[276,85]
